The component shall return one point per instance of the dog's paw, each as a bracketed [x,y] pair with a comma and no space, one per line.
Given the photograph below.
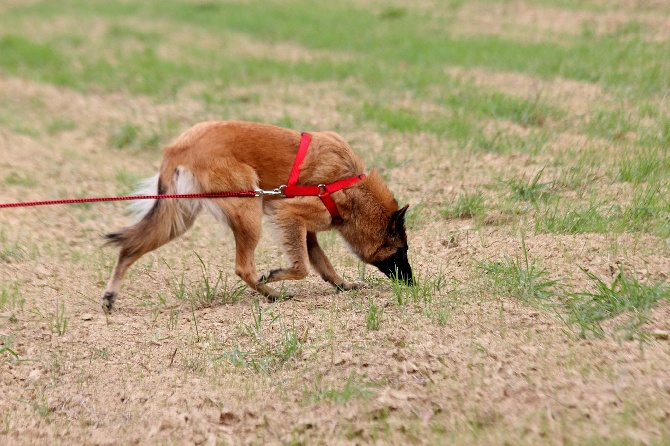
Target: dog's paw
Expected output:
[280,297]
[267,276]
[348,286]
[271,294]
[108,302]
[358,284]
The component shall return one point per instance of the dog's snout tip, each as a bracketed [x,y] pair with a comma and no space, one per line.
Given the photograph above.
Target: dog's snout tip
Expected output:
[406,276]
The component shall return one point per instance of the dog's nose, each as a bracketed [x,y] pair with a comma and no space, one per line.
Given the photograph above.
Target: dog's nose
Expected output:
[404,273]
[406,276]
[397,266]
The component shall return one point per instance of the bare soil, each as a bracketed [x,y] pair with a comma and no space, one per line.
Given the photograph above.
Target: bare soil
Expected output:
[534,22]
[477,367]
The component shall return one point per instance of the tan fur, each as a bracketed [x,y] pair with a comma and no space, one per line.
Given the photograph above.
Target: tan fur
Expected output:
[233,155]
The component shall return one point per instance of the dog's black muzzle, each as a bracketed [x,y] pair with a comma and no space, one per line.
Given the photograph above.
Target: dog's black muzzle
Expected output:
[397,266]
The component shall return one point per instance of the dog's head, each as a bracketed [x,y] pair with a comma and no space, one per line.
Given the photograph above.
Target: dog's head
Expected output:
[391,257]
[375,228]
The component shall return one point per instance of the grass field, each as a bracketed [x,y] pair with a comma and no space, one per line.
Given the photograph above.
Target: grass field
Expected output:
[531,139]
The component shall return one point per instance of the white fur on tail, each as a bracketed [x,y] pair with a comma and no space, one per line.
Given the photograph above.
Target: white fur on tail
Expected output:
[183,182]
[140,208]
[186,183]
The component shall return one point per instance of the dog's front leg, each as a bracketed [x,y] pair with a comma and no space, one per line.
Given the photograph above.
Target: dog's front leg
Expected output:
[245,221]
[323,266]
[294,246]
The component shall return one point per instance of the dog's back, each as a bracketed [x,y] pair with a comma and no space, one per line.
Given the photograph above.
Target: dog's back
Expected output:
[228,155]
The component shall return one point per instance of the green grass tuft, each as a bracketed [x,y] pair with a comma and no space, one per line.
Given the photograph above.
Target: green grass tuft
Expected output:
[644,167]
[11,297]
[648,212]
[624,296]
[468,205]
[58,320]
[424,290]
[319,391]
[206,291]
[373,317]
[520,279]
[266,351]
[531,190]
[125,136]
[18,179]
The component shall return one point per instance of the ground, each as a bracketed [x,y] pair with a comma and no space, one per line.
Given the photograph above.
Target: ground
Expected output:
[529,138]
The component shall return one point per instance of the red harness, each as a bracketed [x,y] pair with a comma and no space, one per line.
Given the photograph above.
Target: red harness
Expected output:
[323,191]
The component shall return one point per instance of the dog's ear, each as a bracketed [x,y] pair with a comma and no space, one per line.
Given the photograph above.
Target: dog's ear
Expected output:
[397,223]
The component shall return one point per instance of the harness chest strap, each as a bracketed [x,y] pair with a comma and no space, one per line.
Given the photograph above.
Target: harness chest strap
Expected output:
[323,191]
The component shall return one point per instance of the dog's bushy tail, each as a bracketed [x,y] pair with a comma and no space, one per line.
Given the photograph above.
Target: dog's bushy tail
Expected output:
[159,220]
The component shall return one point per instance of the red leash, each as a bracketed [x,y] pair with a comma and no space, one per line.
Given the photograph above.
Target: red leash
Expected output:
[241,193]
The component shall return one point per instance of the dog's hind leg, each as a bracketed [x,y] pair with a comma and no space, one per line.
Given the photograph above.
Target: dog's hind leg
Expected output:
[323,266]
[164,222]
[126,258]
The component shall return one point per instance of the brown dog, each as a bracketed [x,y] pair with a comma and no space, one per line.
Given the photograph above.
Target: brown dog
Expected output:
[233,155]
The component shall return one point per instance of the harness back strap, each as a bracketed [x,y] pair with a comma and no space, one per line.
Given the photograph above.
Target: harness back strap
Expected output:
[323,191]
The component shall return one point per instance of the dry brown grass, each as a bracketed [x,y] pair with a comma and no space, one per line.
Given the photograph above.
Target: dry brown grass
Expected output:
[467,364]
[495,371]
[535,22]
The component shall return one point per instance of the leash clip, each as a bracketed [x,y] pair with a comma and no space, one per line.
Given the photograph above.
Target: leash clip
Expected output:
[276,191]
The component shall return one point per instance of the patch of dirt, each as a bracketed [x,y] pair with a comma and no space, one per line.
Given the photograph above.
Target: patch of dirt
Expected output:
[14,3]
[532,22]
[573,96]
[170,367]
[176,44]
[245,46]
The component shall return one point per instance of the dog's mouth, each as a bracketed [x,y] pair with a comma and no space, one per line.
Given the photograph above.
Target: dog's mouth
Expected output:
[397,266]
